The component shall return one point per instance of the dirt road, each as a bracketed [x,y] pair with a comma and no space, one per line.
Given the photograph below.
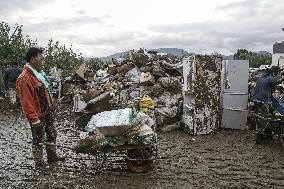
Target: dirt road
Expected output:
[227,159]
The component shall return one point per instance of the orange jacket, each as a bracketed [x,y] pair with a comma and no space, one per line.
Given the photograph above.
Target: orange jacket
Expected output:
[34,97]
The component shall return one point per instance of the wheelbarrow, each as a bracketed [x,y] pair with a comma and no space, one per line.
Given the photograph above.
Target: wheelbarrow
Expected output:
[269,126]
[137,158]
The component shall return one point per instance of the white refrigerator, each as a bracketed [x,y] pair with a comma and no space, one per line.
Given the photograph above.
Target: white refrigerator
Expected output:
[234,94]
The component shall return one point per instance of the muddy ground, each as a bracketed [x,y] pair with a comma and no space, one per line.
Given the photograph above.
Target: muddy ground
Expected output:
[227,159]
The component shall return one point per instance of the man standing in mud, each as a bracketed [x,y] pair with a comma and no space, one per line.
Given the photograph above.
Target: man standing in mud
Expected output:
[35,95]
[265,87]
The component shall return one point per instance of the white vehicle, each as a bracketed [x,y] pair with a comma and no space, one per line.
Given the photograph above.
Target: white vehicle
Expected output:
[252,70]
[263,67]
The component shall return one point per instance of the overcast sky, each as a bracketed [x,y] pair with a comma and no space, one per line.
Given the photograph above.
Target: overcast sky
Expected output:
[103,27]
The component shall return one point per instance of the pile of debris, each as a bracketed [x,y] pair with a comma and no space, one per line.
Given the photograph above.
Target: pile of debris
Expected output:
[150,83]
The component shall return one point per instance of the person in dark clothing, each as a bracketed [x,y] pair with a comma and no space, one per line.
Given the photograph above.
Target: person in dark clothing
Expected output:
[262,98]
[2,94]
[265,87]
[11,75]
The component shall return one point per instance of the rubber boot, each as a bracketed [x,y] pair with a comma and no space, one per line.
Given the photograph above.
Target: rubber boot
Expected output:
[52,155]
[38,157]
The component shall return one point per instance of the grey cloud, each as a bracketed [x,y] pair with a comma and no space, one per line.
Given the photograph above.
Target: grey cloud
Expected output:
[119,38]
[109,43]
[224,36]
[10,6]
[115,41]
[251,24]
[62,23]
[240,31]
[55,28]
[52,26]
[253,8]
[81,12]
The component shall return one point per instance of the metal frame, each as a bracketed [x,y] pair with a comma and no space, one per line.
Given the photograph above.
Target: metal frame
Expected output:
[121,152]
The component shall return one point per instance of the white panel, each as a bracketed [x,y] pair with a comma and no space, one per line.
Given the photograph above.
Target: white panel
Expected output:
[234,119]
[235,101]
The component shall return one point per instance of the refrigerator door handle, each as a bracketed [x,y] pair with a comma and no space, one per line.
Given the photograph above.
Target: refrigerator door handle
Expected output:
[227,83]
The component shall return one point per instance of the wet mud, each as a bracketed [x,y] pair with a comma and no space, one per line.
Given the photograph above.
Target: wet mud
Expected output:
[227,159]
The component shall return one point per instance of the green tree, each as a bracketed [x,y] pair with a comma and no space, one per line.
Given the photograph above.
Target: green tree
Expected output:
[13,45]
[95,63]
[62,57]
[254,60]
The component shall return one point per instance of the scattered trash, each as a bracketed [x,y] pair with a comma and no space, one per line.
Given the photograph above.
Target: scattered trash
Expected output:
[147,102]
[147,79]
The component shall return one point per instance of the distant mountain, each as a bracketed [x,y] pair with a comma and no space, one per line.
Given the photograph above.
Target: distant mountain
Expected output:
[116,56]
[172,51]
[264,53]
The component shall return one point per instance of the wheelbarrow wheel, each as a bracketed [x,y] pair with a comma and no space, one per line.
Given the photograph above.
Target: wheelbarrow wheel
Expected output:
[282,141]
[139,166]
[262,138]
[143,163]
[252,122]
[263,135]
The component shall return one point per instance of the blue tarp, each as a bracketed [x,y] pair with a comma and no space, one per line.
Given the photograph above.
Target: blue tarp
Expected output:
[278,106]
